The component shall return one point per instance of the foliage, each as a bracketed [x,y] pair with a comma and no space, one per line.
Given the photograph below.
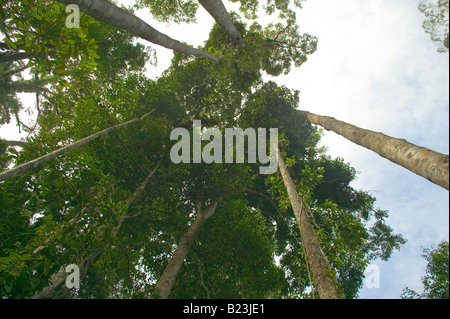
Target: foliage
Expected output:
[436,281]
[171,10]
[250,8]
[37,32]
[80,205]
[436,22]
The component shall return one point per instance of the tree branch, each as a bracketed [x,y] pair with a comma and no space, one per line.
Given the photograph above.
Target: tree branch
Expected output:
[16,56]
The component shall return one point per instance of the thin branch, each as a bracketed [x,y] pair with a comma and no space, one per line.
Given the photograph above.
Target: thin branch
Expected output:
[17,143]
[43,159]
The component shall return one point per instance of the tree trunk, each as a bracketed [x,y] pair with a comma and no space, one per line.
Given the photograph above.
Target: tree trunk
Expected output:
[432,165]
[165,283]
[43,159]
[57,288]
[316,259]
[218,11]
[108,13]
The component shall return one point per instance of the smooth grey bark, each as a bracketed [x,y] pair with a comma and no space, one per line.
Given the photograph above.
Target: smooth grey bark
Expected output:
[108,13]
[315,257]
[167,279]
[57,288]
[34,163]
[218,11]
[429,164]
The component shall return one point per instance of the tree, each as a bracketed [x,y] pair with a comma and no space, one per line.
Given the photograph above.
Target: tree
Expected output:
[432,165]
[81,208]
[34,163]
[436,22]
[318,263]
[218,11]
[36,32]
[108,13]
[350,229]
[250,8]
[78,104]
[170,10]
[436,280]
[57,289]
[167,279]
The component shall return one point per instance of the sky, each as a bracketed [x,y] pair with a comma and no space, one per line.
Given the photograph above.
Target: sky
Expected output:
[375,68]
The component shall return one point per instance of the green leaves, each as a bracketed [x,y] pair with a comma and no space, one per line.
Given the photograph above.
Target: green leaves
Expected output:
[436,22]
[250,8]
[436,280]
[170,10]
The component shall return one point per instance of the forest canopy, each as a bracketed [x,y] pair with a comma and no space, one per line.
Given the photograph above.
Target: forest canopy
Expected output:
[137,224]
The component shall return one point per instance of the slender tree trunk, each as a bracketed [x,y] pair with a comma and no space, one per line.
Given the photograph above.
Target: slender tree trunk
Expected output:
[165,283]
[108,13]
[218,11]
[43,159]
[432,165]
[57,288]
[316,259]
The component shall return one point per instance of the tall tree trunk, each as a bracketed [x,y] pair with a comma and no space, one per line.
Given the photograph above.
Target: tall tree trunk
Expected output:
[108,13]
[43,159]
[218,11]
[432,165]
[165,283]
[316,259]
[57,288]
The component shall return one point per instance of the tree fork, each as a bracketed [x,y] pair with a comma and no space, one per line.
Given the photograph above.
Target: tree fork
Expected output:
[427,163]
[108,13]
[316,259]
[218,11]
[43,159]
